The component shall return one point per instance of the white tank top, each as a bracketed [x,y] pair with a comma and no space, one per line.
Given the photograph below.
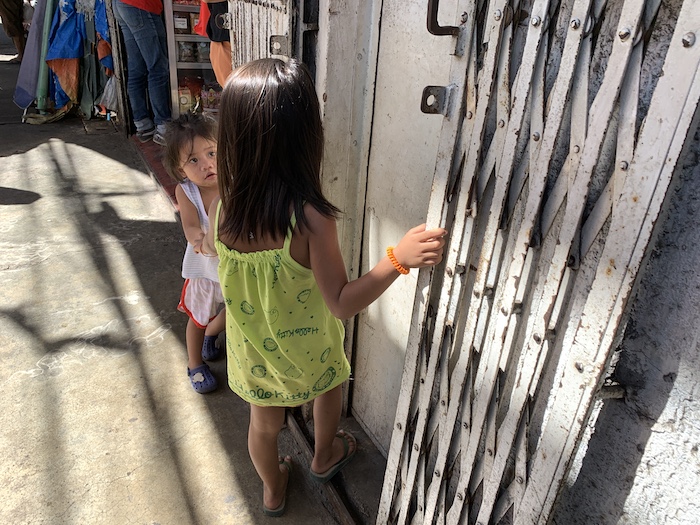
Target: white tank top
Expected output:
[195,265]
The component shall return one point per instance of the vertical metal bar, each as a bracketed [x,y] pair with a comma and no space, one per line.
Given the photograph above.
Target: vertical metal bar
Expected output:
[42,86]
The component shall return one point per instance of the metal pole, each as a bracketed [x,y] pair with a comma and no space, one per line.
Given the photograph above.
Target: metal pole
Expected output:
[42,87]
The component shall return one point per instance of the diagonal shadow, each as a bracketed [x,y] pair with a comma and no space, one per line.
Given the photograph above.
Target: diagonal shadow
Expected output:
[90,229]
[12,196]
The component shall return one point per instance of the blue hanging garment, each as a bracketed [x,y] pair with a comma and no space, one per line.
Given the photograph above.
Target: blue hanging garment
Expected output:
[64,54]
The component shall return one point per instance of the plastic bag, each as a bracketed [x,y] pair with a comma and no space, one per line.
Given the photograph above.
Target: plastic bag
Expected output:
[110,94]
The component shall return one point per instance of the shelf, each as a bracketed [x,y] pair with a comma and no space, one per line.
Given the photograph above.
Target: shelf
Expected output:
[193,65]
[178,69]
[185,8]
[190,38]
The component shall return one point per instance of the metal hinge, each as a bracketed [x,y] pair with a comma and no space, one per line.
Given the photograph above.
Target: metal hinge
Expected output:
[436,99]
[279,45]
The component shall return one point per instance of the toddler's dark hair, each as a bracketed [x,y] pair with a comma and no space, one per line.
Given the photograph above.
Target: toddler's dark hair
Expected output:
[180,133]
[270,149]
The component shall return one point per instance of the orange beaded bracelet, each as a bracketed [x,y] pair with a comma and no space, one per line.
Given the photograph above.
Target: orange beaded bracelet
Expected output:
[396,263]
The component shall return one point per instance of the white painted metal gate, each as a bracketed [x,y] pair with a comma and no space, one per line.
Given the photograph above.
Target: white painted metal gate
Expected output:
[551,174]
[258,29]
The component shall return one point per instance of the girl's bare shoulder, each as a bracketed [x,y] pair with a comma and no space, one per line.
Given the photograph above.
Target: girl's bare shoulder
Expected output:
[318,223]
[181,197]
[179,192]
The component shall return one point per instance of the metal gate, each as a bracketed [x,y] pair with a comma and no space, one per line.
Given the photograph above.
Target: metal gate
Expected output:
[258,29]
[558,142]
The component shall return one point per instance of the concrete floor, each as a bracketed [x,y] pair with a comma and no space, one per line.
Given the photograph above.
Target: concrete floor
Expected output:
[99,422]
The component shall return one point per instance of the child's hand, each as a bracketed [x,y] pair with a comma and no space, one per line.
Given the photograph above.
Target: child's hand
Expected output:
[206,249]
[420,247]
[197,244]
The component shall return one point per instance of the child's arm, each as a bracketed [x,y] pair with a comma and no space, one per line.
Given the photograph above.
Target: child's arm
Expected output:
[190,220]
[208,246]
[344,298]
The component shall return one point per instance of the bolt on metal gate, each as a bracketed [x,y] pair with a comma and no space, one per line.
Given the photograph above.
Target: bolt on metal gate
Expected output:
[558,143]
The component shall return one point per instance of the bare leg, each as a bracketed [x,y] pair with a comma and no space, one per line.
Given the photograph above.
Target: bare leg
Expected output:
[265,426]
[19,44]
[217,325]
[195,337]
[329,448]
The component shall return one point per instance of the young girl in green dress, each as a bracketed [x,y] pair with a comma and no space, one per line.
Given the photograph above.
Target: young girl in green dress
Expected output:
[281,270]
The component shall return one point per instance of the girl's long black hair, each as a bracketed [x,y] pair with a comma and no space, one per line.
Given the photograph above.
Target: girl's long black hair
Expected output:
[270,149]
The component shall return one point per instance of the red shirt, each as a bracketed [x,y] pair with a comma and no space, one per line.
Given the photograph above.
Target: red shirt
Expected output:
[152,6]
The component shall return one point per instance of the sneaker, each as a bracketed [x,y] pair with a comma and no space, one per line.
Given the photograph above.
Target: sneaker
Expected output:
[158,138]
[146,134]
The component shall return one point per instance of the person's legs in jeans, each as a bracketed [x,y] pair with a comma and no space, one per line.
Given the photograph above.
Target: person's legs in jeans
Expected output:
[137,75]
[150,37]
[148,43]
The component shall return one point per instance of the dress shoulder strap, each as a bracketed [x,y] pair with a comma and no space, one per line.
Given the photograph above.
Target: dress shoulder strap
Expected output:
[216,221]
[290,232]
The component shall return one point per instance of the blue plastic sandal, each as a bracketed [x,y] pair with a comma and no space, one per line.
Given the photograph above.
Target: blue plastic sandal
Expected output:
[210,352]
[202,380]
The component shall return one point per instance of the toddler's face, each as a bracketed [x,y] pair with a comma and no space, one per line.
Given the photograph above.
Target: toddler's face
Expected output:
[199,162]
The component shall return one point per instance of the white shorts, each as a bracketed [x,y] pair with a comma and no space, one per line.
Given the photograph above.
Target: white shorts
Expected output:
[201,299]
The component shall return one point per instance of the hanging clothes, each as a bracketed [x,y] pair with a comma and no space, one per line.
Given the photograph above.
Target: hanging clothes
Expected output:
[66,39]
[27,79]
[79,56]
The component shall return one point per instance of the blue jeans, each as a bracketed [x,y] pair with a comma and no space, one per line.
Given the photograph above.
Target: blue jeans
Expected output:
[148,74]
